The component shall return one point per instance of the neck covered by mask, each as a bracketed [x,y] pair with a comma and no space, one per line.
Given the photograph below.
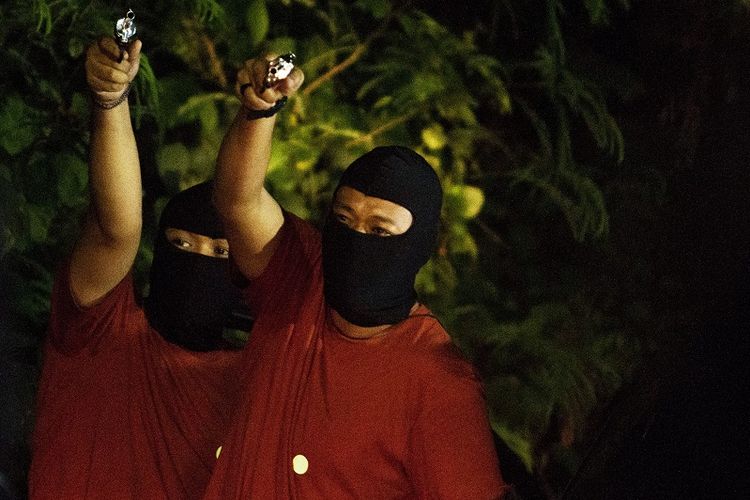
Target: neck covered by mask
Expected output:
[191,298]
[369,279]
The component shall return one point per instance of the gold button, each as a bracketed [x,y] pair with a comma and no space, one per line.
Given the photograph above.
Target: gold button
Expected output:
[300,464]
[218,452]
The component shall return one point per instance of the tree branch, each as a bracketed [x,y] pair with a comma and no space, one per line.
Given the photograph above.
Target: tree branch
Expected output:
[358,52]
[493,235]
[384,127]
[214,63]
[353,57]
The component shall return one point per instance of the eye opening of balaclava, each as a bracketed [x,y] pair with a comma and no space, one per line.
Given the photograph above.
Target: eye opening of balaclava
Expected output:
[368,279]
[192,298]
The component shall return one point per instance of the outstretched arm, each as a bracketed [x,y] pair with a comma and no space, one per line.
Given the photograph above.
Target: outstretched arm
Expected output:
[107,246]
[252,218]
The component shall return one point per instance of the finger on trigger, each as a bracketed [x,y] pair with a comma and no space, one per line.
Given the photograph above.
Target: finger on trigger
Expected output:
[105,85]
[108,73]
[105,60]
[109,48]
[251,100]
[243,89]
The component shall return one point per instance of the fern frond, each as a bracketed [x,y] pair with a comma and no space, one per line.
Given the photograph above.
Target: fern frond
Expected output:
[578,198]
[147,92]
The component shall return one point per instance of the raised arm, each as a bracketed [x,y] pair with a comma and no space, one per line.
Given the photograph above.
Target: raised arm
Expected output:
[106,249]
[252,218]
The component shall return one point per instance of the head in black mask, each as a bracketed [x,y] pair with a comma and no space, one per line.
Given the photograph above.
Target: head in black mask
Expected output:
[191,298]
[369,275]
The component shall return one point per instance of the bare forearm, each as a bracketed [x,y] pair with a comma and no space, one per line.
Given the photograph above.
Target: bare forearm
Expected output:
[252,217]
[114,175]
[242,163]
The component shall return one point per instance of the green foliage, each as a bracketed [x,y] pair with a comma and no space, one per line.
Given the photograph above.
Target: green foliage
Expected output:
[493,126]
[16,125]
[552,167]
[256,21]
[599,10]
[544,366]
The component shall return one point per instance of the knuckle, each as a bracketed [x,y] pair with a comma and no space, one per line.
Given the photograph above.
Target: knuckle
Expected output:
[115,76]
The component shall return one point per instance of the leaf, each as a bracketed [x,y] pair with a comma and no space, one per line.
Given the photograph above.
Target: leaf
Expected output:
[17,130]
[76,46]
[172,161]
[282,45]
[38,220]
[11,202]
[433,160]
[427,86]
[370,85]
[460,241]
[257,21]
[204,109]
[465,201]
[175,94]
[146,92]
[378,9]
[72,179]
[79,105]
[44,17]
[208,11]
[279,157]
[382,102]
[209,118]
[435,277]
[434,137]
[473,199]
[462,113]
[521,445]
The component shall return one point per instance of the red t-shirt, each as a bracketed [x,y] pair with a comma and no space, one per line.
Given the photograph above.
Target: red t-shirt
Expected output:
[323,416]
[121,413]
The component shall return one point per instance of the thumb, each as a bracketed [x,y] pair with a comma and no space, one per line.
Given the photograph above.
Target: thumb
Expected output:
[134,57]
[289,85]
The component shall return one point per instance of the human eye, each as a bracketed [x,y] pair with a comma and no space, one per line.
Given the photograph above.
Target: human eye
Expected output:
[380,231]
[180,243]
[341,217]
[221,251]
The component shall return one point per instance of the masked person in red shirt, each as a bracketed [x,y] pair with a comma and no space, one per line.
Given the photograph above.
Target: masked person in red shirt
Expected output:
[133,403]
[353,388]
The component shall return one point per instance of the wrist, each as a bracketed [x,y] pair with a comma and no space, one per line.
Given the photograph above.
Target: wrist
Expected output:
[254,114]
[111,104]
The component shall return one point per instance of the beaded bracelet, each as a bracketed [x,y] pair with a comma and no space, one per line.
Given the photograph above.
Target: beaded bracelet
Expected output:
[254,114]
[112,104]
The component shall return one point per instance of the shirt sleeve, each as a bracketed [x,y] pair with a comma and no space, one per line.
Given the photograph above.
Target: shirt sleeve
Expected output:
[291,268]
[73,327]
[452,453]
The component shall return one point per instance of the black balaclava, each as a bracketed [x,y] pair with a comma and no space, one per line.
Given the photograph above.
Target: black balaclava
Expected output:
[191,296]
[369,279]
